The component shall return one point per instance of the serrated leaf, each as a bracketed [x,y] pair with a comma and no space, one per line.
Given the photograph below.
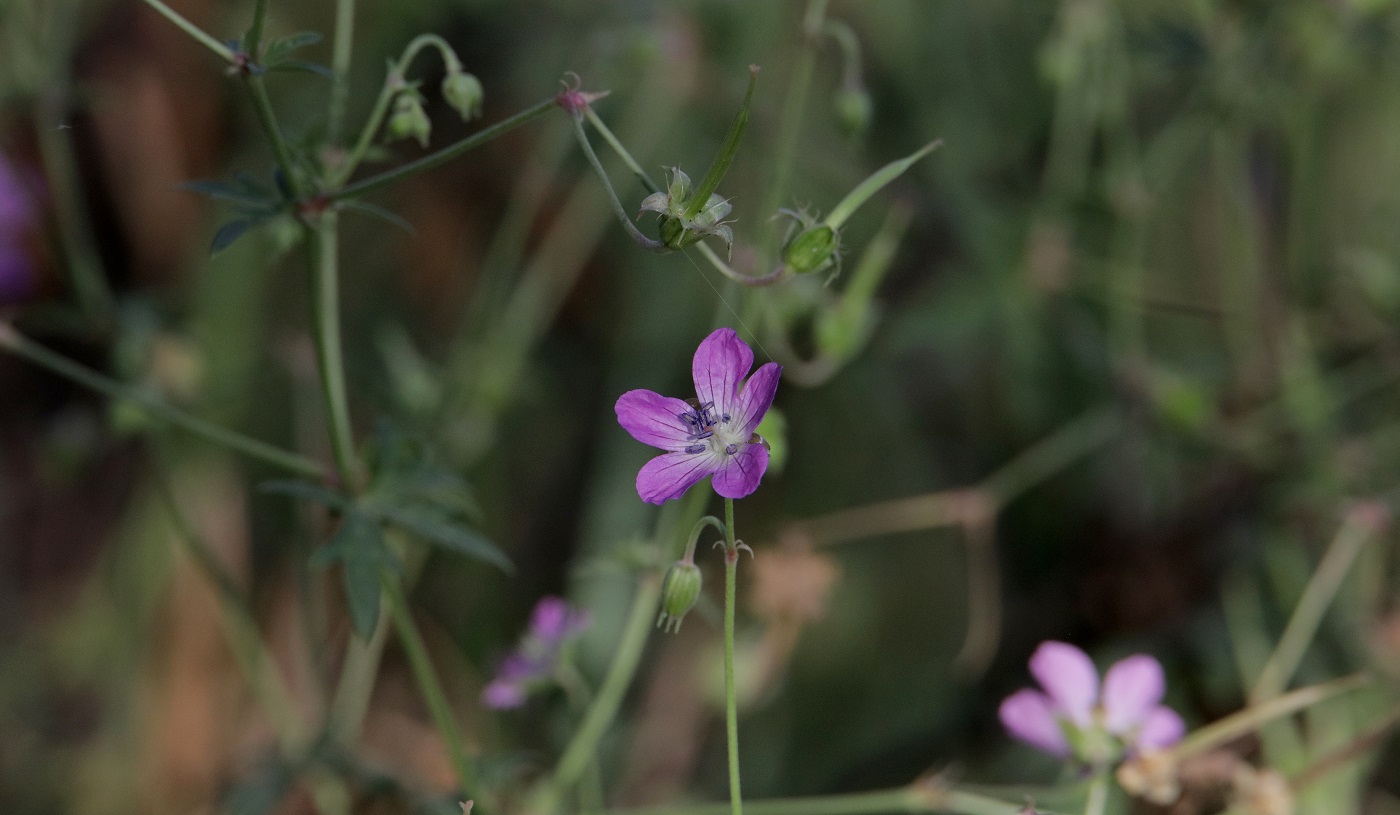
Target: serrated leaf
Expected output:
[280,48]
[381,213]
[303,66]
[230,232]
[360,546]
[448,535]
[306,491]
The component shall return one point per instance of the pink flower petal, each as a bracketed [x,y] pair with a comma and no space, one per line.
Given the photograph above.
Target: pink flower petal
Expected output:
[669,476]
[1029,715]
[654,419]
[1068,677]
[756,397]
[740,473]
[721,362]
[502,695]
[1131,689]
[1161,728]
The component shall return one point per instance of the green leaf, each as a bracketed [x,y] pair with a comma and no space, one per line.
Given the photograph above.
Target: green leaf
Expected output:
[278,50]
[877,180]
[448,535]
[230,232]
[360,546]
[727,152]
[237,193]
[380,213]
[303,66]
[306,491]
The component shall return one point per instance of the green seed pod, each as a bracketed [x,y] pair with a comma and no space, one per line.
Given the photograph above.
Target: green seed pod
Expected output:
[811,249]
[853,111]
[409,120]
[678,594]
[464,93]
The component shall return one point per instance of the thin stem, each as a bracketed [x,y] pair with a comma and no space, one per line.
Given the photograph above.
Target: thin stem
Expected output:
[793,107]
[1366,741]
[1354,534]
[25,348]
[444,155]
[622,152]
[225,53]
[901,799]
[267,117]
[322,267]
[341,48]
[731,705]
[253,41]
[1255,716]
[775,276]
[1098,795]
[428,683]
[636,234]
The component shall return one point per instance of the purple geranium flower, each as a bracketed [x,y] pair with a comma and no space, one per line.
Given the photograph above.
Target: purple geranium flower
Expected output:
[1074,717]
[16,215]
[532,664]
[713,435]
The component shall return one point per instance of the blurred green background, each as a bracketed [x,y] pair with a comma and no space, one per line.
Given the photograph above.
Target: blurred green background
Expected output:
[1157,250]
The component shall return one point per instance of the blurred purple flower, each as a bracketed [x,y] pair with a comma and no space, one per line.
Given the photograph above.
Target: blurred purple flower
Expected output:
[714,435]
[532,664]
[16,215]
[1074,717]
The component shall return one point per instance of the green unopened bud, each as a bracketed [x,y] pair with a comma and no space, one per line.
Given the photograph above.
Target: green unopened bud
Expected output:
[853,110]
[811,249]
[678,594]
[409,120]
[464,93]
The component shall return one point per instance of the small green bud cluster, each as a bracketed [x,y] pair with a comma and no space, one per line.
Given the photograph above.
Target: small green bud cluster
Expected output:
[679,229]
[853,110]
[409,120]
[678,594]
[463,92]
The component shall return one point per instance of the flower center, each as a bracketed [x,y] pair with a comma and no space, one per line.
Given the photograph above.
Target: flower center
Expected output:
[710,431]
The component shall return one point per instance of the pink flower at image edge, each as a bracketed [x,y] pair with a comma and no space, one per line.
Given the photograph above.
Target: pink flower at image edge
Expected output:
[713,438]
[1128,706]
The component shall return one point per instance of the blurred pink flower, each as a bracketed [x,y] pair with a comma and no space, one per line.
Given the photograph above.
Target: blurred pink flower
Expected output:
[532,664]
[16,216]
[1073,716]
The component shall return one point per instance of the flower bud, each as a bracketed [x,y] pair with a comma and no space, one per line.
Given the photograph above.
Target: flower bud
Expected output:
[464,93]
[409,120]
[678,594]
[853,110]
[811,249]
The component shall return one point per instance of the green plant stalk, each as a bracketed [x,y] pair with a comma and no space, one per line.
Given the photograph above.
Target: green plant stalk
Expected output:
[23,347]
[267,117]
[1098,795]
[342,47]
[224,52]
[902,799]
[621,151]
[323,271]
[1307,616]
[731,705]
[393,83]
[426,677]
[633,232]
[444,155]
[253,41]
[1368,740]
[1255,716]
[727,151]
[794,105]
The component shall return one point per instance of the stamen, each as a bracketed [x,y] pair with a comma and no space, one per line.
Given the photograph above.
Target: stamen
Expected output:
[695,448]
[731,449]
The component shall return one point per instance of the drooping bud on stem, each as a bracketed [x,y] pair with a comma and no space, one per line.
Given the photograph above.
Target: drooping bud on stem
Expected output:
[681,587]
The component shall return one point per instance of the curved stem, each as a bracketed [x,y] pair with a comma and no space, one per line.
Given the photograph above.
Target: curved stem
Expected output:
[632,231]
[731,707]
[25,348]
[621,151]
[322,268]
[224,52]
[426,677]
[444,155]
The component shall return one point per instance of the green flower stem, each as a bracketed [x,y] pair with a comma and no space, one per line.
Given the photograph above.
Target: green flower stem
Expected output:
[794,105]
[582,747]
[225,53]
[1098,795]
[426,676]
[621,151]
[640,620]
[919,799]
[341,48]
[846,38]
[776,276]
[444,155]
[393,83]
[1255,716]
[267,117]
[1368,740]
[731,706]
[25,348]
[323,271]
[1353,535]
[636,234]
[253,41]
